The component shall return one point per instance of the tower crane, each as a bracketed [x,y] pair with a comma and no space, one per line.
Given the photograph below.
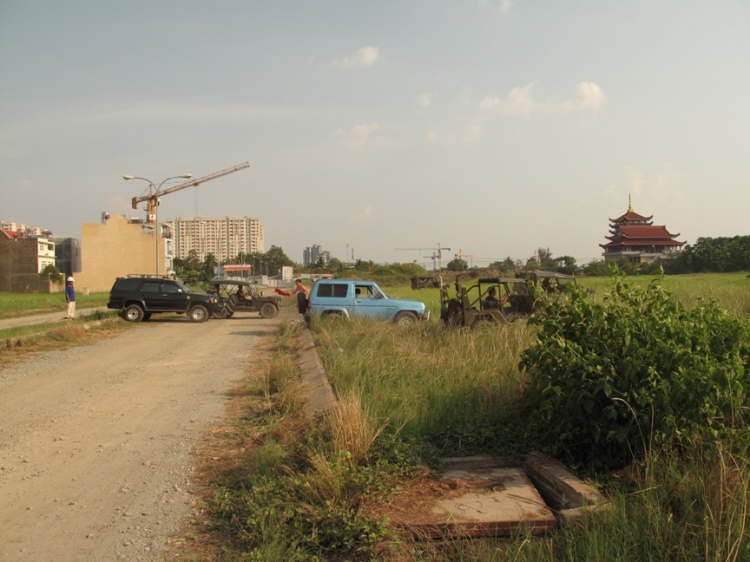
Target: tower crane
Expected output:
[460,256]
[438,254]
[153,195]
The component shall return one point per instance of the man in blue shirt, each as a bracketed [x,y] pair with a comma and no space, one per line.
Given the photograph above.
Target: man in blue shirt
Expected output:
[70,297]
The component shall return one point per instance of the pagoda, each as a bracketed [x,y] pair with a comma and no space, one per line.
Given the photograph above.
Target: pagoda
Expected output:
[636,238]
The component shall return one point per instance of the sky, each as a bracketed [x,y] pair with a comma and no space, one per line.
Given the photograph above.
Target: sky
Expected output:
[487,127]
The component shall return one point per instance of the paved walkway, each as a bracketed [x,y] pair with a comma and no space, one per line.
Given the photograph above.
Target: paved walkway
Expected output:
[46,318]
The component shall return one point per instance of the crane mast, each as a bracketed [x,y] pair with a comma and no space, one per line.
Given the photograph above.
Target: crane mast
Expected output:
[152,197]
[437,253]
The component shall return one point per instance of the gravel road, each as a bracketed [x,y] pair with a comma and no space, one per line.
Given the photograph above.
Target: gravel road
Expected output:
[96,442]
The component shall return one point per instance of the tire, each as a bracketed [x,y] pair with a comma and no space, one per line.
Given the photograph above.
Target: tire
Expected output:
[198,313]
[406,319]
[268,310]
[133,313]
[221,315]
[332,316]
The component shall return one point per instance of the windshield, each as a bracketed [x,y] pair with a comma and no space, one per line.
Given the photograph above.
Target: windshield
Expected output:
[180,285]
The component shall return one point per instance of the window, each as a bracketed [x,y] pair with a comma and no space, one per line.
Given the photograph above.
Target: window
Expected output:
[169,288]
[150,287]
[337,290]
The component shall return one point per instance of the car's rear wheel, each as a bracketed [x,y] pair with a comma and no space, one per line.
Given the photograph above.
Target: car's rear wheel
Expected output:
[406,318]
[268,310]
[198,313]
[133,313]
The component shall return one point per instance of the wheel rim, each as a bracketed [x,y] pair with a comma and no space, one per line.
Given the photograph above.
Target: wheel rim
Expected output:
[132,314]
[198,314]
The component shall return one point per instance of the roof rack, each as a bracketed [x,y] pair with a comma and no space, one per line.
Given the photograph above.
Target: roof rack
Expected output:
[151,275]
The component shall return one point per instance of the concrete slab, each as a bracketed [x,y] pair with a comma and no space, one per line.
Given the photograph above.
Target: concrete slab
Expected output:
[560,487]
[472,498]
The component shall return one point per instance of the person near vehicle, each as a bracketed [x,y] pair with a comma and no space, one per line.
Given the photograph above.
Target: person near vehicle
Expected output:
[70,298]
[241,294]
[491,300]
[302,294]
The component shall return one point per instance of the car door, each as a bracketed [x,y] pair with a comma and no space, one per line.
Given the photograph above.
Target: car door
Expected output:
[173,298]
[370,302]
[151,295]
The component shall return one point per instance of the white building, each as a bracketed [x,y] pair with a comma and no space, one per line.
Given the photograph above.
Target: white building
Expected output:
[224,238]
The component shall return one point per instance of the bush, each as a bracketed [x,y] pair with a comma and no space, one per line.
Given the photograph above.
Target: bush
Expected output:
[610,378]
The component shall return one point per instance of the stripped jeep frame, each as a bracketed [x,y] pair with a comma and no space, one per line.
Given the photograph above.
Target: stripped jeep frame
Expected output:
[516,297]
[471,304]
[226,291]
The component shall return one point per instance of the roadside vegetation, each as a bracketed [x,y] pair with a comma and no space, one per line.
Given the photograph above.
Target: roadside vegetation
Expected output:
[16,343]
[642,390]
[13,305]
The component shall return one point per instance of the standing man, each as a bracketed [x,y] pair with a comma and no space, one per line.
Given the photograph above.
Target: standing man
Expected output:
[302,293]
[70,297]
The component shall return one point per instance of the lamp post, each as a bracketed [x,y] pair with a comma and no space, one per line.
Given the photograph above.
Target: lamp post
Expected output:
[155,196]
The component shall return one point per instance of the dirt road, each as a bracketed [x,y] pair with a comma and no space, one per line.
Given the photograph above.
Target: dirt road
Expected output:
[95,442]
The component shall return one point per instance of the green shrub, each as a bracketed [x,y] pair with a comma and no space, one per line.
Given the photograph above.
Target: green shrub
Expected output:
[611,377]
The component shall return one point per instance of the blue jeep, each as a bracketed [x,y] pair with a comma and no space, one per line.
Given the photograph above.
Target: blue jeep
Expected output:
[348,298]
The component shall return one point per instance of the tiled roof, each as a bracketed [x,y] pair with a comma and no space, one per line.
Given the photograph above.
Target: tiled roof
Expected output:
[631,216]
[641,231]
[11,234]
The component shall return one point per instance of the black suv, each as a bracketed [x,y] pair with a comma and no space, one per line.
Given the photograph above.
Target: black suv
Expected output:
[140,296]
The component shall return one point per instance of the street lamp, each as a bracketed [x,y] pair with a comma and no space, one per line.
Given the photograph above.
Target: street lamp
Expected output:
[154,196]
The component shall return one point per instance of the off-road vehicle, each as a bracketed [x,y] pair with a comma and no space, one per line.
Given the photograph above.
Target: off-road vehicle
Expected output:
[425,282]
[485,300]
[242,296]
[551,282]
[345,298]
[139,296]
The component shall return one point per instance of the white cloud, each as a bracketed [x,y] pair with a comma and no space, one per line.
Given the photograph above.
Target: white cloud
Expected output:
[467,132]
[662,187]
[522,100]
[366,56]
[425,100]
[363,214]
[357,136]
[504,5]
[489,103]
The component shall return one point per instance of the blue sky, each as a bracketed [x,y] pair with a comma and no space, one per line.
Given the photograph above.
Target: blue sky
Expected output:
[493,127]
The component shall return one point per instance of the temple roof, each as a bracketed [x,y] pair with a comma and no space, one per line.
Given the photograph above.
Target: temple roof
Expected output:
[631,216]
[641,232]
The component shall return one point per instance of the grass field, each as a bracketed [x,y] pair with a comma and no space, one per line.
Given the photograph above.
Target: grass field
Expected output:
[22,304]
[432,392]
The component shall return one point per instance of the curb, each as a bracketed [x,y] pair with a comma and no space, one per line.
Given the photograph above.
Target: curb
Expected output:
[315,385]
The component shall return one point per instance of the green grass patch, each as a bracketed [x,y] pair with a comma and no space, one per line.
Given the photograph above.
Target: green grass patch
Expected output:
[13,305]
[306,490]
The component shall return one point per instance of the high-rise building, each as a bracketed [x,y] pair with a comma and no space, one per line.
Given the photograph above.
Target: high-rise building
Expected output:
[224,238]
[313,254]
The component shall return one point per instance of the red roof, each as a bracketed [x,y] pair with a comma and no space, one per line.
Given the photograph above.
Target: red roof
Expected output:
[11,234]
[642,231]
[631,216]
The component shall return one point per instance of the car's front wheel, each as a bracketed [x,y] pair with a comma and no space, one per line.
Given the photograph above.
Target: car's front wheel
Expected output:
[406,318]
[268,310]
[133,313]
[198,313]
[222,314]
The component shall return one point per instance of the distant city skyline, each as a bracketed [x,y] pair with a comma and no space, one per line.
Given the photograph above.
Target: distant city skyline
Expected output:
[491,127]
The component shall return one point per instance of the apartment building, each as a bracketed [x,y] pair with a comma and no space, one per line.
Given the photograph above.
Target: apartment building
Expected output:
[313,254]
[225,238]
